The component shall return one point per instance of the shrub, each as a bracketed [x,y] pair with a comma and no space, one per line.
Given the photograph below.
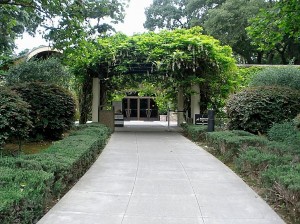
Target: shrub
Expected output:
[256,109]
[52,109]
[278,76]
[14,116]
[297,121]
[246,74]
[195,132]
[254,160]
[281,132]
[285,183]
[23,195]
[49,71]
[282,148]
[231,143]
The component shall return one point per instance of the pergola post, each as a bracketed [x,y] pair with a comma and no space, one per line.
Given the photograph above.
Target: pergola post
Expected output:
[96,100]
[195,101]
[180,106]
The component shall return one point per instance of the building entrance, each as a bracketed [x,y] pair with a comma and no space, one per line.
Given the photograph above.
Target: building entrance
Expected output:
[140,108]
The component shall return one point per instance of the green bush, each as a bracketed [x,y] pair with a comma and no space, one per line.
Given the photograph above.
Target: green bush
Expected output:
[281,132]
[297,121]
[254,160]
[52,109]
[14,116]
[48,71]
[246,74]
[23,195]
[195,132]
[278,76]
[282,148]
[285,183]
[231,143]
[256,109]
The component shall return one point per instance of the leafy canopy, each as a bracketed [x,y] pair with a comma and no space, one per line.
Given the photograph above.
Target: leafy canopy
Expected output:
[276,28]
[65,21]
[185,55]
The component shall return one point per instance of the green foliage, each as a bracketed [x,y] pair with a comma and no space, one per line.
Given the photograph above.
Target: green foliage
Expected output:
[285,182]
[282,132]
[50,71]
[195,132]
[52,109]
[29,181]
[231,143]
[290,146]
[227,23]
[14,116]
[256,109]
[172,14]
[278,76]
[255,160]
[23,194]
[72,20]
[246,75]
[276,29]
[297,121]
[180,56]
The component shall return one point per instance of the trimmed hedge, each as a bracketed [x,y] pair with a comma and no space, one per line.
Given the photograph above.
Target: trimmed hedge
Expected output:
[24,195]
[254,160]
[231,143]
[195,132]
[256,109]
[66,160]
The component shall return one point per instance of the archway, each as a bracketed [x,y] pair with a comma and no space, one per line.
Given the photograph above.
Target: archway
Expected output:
[196,64]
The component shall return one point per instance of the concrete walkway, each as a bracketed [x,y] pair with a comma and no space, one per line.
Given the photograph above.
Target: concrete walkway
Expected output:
[159,177]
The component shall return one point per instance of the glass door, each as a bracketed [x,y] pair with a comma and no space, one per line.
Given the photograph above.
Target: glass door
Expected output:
[144,109]
[133,107]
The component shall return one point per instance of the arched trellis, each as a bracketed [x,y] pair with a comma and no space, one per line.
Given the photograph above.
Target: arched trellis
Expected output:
[183,54]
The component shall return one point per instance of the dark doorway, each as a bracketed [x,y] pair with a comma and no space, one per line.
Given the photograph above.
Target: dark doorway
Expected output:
[140,108]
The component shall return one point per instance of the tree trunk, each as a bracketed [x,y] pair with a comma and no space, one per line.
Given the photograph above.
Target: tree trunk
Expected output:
[85,99]
[259,57]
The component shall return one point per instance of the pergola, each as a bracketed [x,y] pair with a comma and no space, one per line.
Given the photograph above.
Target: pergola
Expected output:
[186,55]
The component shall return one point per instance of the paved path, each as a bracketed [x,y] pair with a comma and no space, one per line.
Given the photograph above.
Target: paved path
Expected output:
[160,177]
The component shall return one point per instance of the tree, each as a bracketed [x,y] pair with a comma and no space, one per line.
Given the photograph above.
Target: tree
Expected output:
[48,71]
[277,29]
[65,22]
[172,14]
[228,22]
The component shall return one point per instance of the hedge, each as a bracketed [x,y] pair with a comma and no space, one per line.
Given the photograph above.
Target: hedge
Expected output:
[24,195]
[231,143]
[195,132]
[66,161]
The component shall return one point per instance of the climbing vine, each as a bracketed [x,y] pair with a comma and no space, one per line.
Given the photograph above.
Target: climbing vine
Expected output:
[184,56]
